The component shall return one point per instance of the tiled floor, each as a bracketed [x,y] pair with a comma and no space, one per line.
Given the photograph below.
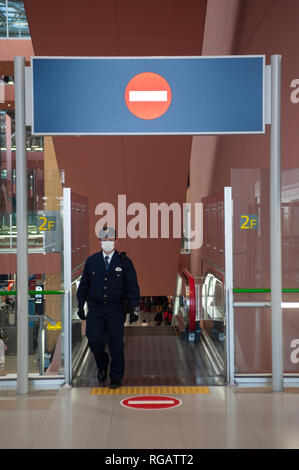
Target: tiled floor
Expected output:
[225,418]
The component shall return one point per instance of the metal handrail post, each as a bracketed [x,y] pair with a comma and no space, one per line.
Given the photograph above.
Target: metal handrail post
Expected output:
[22,229]
[67,280]
[275,226]
[41,345]
[10,231]
[229,307]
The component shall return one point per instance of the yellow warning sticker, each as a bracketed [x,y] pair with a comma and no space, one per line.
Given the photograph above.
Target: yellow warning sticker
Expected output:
[150,390]
[57,326]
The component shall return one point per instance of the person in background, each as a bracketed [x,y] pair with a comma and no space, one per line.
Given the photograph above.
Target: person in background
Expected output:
[3,348]
[159,315]
[168,316]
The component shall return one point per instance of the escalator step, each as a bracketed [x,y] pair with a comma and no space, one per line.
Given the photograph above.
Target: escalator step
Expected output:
[150,331]
[157,357]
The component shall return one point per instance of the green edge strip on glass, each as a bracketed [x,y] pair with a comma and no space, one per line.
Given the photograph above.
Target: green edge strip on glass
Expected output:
[33,292]
[60,292]
[248,291]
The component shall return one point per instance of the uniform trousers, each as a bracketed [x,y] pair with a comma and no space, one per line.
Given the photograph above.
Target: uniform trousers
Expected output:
[100,321]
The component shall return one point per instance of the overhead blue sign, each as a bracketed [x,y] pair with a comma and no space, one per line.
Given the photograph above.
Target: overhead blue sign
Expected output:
[123,96]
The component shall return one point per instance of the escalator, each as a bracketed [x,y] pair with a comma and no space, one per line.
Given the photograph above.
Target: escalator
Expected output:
[180,354]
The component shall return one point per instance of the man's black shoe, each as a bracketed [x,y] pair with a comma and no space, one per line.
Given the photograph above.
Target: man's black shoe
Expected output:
[102,375]
[115,384]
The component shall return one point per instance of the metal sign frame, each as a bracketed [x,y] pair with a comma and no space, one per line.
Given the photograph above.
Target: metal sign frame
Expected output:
[203,58]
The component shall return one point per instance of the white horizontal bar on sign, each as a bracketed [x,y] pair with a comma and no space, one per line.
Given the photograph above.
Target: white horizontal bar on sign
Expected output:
[148,95]
[150,402]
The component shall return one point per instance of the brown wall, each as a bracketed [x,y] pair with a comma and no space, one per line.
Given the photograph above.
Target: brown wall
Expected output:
[37,263]
[146,169]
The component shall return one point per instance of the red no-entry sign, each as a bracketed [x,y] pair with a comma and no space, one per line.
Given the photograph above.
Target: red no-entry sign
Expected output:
[148,95]
[151,402]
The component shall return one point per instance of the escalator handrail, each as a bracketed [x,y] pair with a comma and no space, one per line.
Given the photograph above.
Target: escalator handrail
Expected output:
[192,298]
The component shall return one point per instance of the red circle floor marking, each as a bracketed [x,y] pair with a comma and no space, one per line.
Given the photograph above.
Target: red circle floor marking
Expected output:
[151,402]
[148,95]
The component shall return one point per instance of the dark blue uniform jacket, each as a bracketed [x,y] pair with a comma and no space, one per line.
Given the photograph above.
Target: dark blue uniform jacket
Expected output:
[100,287]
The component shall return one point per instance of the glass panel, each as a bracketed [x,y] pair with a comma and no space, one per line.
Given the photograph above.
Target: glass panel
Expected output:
[44,232]
[8,327]
[45,323]
[44,328]
[209,337]
[45,252]
[252,268]
[52,323]
[17,21]
[290,267]
[3,19]
[181,305]
[211,285]
[213,298]
[49,222]
[213,313]
[80,252]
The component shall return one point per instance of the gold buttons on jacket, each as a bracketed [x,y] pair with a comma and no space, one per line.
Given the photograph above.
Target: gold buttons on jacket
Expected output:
[105,295]
[105,279]
[105,287]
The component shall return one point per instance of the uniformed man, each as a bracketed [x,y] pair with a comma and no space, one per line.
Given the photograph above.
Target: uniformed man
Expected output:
[108,281]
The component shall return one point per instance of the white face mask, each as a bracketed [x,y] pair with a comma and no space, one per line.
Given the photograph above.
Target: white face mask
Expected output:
[107,246]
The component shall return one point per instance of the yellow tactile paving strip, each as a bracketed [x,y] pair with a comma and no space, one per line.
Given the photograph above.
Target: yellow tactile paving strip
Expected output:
[150,391]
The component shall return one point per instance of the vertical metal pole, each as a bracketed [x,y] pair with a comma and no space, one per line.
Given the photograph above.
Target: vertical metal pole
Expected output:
[41,345]
[10,231]
[229,308]
[206,303]
[197,300]
[22,237]
[7,28]
[67,280]
[275,224]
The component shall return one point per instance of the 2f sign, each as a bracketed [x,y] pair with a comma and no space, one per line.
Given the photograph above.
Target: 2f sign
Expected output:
[295,353]
[295,93]
[248,222]
[46,224]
